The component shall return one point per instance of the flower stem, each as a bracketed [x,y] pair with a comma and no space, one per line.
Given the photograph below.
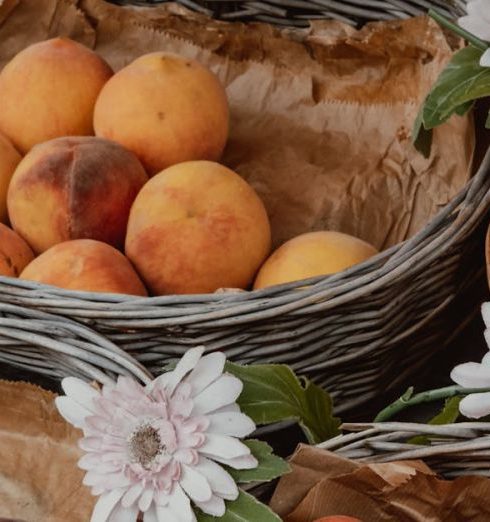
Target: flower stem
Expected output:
[471,38]
[409,399]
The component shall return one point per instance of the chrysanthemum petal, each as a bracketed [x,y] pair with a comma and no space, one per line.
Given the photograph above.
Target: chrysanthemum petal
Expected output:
[225,390]
[80,392]
[184,366]
[229,408]
[132,495]
[485,312]
[90,444]
[476,26]
[129,387]
[224,446]
[106,504]
[195,484]
[219,479]
[207,370]
[214,507]
[485,59]
[151,516]
[476,405]
[73,412]
[479,8]
[245,462]
[145,499]
[472,375]
[165,514]
[89,461]
[122,514]
[234,424]
[180,504]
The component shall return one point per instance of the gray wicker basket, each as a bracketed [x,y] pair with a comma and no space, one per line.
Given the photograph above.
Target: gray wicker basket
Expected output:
[358,333]
[299,12]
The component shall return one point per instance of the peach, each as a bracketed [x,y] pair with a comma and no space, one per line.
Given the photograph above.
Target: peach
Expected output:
[9,159]
[86,265]
[197,227]
[15,253]
[49,90]
[165,108]
[312,254]
[74,188]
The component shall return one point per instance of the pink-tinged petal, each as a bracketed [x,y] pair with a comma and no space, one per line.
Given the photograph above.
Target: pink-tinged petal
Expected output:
[184,366]
[485,59]
[122,514]
[73,412]
[223,391]
[471,375]
[151,516]
[224,446]
[214,507]
[479,8]
[486,359]
[108,468]
[220,480]
[476,26]
[80,392]
[93,444]
[159,384]
[207,370]
[180,504]
[89,461]
[476,405]
[130,388]
[164,514]
[132,495]
[146,499]
[187,456]
[97,491]
[245,462]
[485,312]
[195,485]
[105,505]
[234,424]
[161,498]
[229,408]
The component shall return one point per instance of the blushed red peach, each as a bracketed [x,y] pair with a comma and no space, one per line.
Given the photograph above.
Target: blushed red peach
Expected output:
[74,188]
[85,265]
[9,159]
[197,227]
[165,108]
[49,90]
[15,253]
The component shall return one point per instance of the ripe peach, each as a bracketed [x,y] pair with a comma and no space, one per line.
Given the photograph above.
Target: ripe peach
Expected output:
[74,188]
[197,227]
[312,254]
[87,265]
[15,253]
[165,108]
[49,90]
[9,159]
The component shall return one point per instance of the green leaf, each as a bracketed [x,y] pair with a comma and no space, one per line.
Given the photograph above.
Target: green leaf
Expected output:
[448,415]
[461,82]
[245,509]
[270,466]
[421,137]
[272,393]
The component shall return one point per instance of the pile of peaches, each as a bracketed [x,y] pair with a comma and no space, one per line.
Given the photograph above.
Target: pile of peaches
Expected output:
[110,182]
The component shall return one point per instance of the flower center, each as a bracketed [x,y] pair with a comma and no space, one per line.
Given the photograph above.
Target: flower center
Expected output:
[145,445]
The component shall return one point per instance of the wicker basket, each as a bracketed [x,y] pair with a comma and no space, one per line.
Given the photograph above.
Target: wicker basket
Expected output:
[298,13]
[454,450]
[358,333]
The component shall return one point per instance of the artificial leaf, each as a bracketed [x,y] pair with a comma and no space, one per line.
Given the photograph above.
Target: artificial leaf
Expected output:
[244,509]
[421,137]
[270,466]
[448,415]
[462,81]
[272,393]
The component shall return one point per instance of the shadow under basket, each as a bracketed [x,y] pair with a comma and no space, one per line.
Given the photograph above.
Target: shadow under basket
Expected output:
[359,333]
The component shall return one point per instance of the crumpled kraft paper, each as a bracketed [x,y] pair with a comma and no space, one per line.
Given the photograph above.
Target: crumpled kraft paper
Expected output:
[320,120]
[39,477]
[323,484]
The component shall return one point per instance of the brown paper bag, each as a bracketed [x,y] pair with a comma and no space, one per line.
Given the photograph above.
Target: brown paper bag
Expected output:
[39,477]
[320,120]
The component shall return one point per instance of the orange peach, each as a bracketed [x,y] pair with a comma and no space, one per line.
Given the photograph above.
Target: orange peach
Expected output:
[15,253]
[9,159]
[86,265]
[312,254]
[48,90]
[74,188]
[197,227]
[165,108]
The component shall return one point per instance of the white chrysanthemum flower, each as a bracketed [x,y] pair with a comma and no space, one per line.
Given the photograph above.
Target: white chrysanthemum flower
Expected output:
[476,375]
[477,22]
[155,449]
